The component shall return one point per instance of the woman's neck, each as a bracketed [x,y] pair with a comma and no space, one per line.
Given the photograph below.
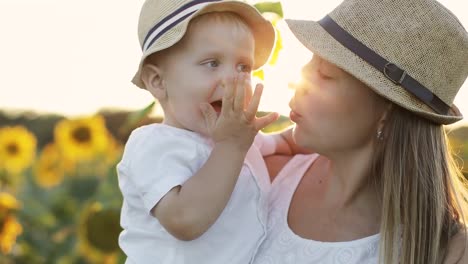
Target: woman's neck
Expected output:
[349,185]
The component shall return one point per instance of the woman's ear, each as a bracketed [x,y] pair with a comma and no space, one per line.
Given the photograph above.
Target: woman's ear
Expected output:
[151,76]
[384,116]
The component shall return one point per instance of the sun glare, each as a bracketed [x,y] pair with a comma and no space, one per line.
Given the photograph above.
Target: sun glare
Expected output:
[286,70]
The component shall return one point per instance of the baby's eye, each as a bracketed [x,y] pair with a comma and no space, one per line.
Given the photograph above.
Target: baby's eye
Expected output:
[244,68]
[211,63]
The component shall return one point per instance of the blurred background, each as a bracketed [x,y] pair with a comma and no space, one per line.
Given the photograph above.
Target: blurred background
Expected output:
[67,108]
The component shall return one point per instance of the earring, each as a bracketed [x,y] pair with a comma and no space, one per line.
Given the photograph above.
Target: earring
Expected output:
[379,135]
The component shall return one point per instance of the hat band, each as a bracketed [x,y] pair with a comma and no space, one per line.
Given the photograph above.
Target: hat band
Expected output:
[172,20]
[390,70]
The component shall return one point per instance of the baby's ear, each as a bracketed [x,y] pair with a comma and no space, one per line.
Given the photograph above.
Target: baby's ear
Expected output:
[151,75]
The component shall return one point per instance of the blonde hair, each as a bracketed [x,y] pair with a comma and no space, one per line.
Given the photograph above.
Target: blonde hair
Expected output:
[423,192]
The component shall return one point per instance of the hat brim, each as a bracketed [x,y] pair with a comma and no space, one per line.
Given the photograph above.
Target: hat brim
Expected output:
[262,30]
[312,35]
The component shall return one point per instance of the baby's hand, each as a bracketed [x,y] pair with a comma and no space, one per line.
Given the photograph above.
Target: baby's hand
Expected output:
[237,123]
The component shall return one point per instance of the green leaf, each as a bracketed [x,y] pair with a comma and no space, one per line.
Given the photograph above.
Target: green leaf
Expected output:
[134,118]
[272,7]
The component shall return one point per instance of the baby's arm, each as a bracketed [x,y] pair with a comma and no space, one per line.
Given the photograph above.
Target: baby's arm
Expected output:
[187,211]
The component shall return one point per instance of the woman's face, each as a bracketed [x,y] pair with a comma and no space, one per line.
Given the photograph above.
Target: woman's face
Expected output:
[333,111]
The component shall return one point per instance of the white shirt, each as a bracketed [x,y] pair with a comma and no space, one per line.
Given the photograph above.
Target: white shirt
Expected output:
[157,158]
[283,246]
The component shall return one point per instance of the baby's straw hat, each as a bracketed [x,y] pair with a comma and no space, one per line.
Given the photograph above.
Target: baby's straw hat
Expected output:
[414,53]
[164,22]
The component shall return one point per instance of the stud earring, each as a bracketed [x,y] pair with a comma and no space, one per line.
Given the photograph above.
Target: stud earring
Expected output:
[379,135]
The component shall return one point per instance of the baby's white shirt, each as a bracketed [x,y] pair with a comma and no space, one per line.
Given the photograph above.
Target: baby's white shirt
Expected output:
[157,158]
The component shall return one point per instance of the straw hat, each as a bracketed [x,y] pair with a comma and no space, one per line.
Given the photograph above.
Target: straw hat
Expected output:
[414,53]
[164,22]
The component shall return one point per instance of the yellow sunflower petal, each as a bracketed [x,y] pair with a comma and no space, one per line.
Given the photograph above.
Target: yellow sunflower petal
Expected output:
[8,201]
[50,168]
[17,149]
[8,233]
[82,139]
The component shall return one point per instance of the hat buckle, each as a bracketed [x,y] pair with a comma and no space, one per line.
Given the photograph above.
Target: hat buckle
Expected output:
[391,69]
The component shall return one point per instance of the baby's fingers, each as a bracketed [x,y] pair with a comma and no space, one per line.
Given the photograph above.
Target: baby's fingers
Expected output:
[254,102]
[228,97]
[248,94]
[240,92]
[209,115]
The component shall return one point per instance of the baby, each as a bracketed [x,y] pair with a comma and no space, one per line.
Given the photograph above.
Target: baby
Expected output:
[195,187]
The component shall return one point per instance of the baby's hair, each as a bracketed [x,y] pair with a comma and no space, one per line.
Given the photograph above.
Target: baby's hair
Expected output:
[239,26]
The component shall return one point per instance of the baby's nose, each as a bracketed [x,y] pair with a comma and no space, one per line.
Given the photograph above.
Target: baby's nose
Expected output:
[229,73]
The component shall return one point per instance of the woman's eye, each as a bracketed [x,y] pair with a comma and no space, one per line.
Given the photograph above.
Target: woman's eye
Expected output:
[324,76]
[244,68]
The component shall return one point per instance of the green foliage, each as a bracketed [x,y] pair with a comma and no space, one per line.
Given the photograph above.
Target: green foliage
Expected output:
[270,7]
[135,118]
[282,123]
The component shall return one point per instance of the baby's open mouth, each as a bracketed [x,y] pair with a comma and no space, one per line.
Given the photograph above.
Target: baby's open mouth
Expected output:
[217,105]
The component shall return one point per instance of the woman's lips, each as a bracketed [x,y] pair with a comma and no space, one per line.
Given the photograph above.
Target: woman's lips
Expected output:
[294,116]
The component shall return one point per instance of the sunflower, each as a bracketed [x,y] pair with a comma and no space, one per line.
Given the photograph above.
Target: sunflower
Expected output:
[17,149]
[82,139]
[114,152]
[8,202]
[98,233]
[51,167]
[9,230]
[109,158]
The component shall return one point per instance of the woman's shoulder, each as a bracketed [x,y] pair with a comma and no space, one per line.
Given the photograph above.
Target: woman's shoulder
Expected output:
[457,251]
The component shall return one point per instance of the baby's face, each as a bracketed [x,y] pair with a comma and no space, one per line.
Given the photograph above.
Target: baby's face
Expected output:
[194,73]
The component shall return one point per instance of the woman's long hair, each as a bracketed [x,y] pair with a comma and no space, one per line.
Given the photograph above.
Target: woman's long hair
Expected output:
[424,194]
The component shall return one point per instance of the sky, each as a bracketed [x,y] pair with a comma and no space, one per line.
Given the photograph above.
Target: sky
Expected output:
[76,57]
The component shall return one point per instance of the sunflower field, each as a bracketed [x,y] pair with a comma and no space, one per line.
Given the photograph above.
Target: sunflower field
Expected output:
[59,199]
[59,196]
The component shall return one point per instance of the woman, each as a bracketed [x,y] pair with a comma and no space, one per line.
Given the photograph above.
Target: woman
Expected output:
[372,103]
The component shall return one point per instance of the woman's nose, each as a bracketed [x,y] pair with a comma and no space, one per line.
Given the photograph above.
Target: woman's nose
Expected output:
[292,101]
